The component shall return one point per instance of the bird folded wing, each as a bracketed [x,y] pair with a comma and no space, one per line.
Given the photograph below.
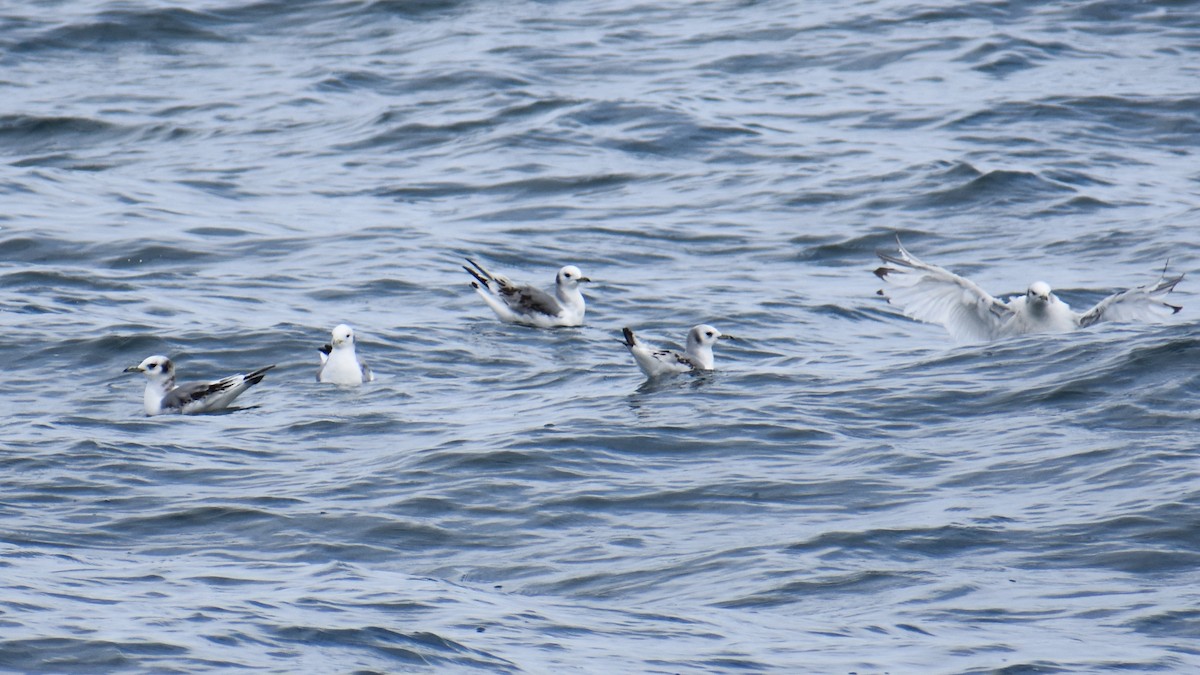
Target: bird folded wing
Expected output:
[673,357]
[197,391]
[529,300]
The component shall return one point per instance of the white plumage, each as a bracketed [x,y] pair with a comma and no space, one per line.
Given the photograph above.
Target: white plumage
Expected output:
[530,306]
[658,362]
[339,360]
[929,293]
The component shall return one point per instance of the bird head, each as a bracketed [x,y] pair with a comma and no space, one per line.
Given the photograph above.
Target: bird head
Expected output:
[156,368]
[570,276]
[342,335]
[1038,294]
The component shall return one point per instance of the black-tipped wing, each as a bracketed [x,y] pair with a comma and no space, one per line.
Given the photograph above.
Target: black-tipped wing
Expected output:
[481,275]
[529,300]
[256,376]
[930,293]
[522,299]
[672,356]
[324,351]
[1143,303]
[208,392]
[192,392]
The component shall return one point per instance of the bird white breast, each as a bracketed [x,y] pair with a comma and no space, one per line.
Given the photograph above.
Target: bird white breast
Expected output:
[342,368]
[1055,317]
[152,398]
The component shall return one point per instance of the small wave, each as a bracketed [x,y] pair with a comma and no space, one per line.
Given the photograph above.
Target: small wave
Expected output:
[641,129]
[850,583]
[156,254]
[417,649]
[1080,204]
[78,654]
[760,63]
[22,135]
[527,188]
[163,29]
[996,187]
[1167,121]
[970,188]
[1002,55]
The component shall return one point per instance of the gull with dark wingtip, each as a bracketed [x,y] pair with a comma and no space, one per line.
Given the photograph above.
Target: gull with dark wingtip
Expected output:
[697,357]
[163,396]
[929,293]
[528,305]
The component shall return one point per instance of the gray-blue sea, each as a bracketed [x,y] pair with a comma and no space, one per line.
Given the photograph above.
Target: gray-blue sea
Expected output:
[850,492]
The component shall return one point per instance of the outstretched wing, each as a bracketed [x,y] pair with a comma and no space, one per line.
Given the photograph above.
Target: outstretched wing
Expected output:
[1143,303]
[929,293]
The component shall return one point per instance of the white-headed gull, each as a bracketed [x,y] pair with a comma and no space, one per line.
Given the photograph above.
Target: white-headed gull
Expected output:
[339,362]
[929,293]
[525,304]
[658,362]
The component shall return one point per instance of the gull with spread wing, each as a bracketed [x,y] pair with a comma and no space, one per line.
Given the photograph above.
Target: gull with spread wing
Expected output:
[930,293]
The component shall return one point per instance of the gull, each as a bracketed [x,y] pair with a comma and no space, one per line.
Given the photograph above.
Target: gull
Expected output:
[339,363]
[659,362]
[929,293]
[528,305]
[162,396]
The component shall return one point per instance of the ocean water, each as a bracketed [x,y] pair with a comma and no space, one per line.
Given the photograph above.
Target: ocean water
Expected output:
[850,491]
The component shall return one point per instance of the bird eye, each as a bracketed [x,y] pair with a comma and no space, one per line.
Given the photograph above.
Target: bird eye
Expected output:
[709,333]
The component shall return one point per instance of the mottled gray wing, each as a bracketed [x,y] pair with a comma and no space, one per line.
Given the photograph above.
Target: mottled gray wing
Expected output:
[1143,303]
[669,355]
[528,300]
[194,391]
[930,293]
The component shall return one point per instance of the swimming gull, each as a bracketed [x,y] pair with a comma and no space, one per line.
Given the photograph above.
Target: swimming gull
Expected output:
[658,362]
[530,306]
[339,363]
[929,293]
[162,396]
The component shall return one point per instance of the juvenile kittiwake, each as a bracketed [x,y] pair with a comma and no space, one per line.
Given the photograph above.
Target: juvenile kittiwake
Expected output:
[929,293]
[659,362]
[339,363]
[162,396]
[530,306]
